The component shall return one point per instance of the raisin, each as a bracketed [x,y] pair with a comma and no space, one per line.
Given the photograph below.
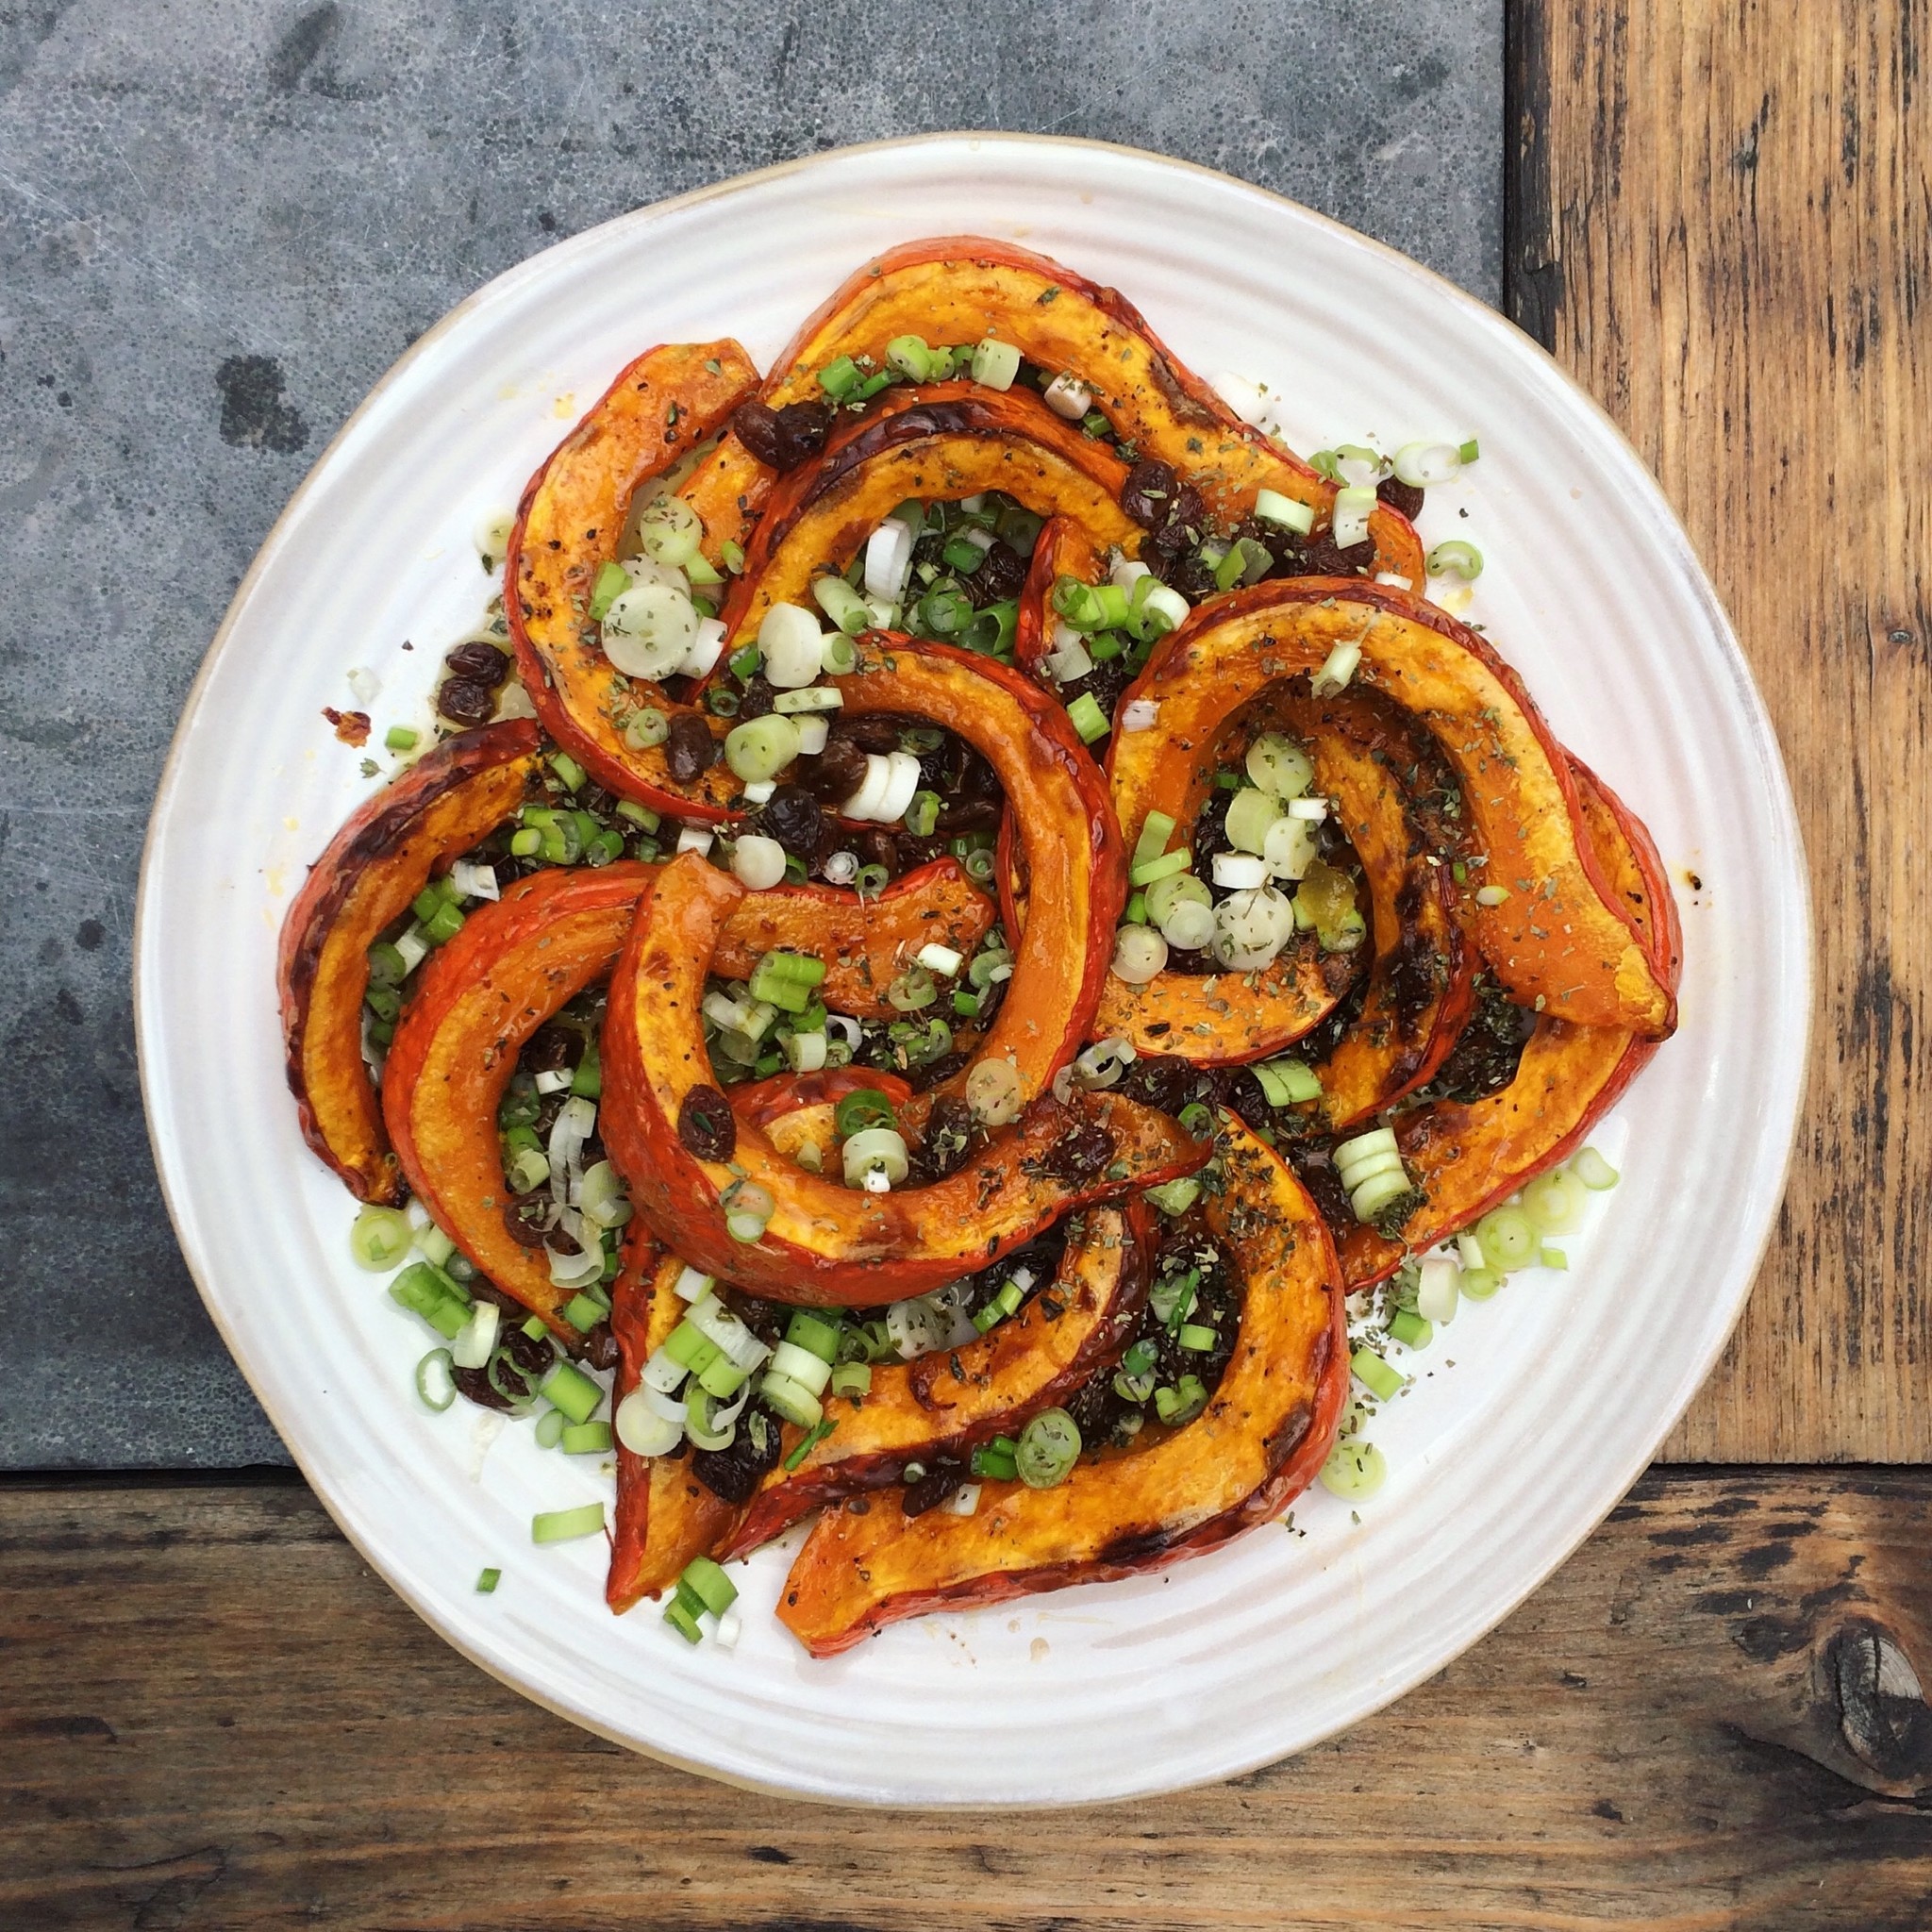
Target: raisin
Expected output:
[552,1049]
[759,699]
[933,1488]
[1000,574]
[1160,1080]
[600,1346]
[836,773]
[1148,494]
[465,701]
[483,663]
[526,1220]
[732,1474]
[689,750]
[783,439]
[707,1126]
[793,817]
[1080,1154]
[1405,499]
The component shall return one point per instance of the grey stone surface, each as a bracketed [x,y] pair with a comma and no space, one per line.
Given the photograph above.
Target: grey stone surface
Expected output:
[221,222]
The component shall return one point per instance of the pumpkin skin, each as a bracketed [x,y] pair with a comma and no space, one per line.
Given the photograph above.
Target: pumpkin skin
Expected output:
[663,1516]
[1472,1156]
[1256,1445]
[570,523]
[951,440]
[961,288]
[386,853]
[1561,936]
[826,1244]
[945,1402]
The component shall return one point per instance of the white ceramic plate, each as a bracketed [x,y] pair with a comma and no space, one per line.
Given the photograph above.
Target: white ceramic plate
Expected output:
[1527,1421]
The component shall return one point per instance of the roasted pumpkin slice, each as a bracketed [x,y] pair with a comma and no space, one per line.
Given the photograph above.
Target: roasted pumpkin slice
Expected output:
[483,995]
[664,1516]
[794,1108]
[943,1403]
[1225,1018]
[374,867]
[941,444]
[1062,549]
[571,523]
[865,943]
[1470,1157]
[962,288]
[1422,986]
[1257,1444]
[1543,916]
[825,1243]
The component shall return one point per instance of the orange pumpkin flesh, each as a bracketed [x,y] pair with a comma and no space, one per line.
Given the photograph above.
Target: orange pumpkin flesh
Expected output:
[1561,936]
[1255,1446]
[664,1516]
[386,853]
[825,1243]
[571,523]
[1472,1156]
[1222,1019]
[942,1405]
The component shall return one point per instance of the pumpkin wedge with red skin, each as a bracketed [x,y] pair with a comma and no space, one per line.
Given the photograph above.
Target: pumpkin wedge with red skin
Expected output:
[663,1516]
[1470,1156]
[1561,936]
[794,1108]
[953,440]
[826,1244]
[1422,986]
[484,994]
[570,523]
[387,852]
[1252,1450]
[957,288]
[943,1403]
[1062,549]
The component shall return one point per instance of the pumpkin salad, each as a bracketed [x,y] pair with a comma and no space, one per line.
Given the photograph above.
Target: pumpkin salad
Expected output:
[972,960]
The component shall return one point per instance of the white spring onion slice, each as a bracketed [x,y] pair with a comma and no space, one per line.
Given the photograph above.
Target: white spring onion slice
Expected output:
[1273,508]
[995,364]
[694,839]
[730,1629]
[941,959]
[1394,579]
[963,1501]
[476,1339]
[902,783]
[1314,809]
[1376,1140]
[992,1091]
[1189,925]
[1492,895]
[1425,465]
[1353,507]
[1164,601]
[1437,1292]
[805,1053]
[475,881]
[1142,714]
[846,1028]
[1594,1171]
[812,733]
[1250,400]
[807,700]
[663,1372]
[841,868]
[865,802]
[553,1080]
[808,1371]
[648,629]
[1127,573]
[641,1430]
[725,1014]
[1289,848]
[1066,395]
[875,1150]
[792,642]
[1251,815]
[1256,918]
[434,1382]
[758,863]
[1139,953]
[365,684]
[917,1327]
[758,790]
[707,647]
[1336,669]
[762,747]
[693,1284]
[888,559]
[602,1196]
[1279,766]
[1102,1064]
[1070,662]
[413,947]
[1470,1250]
[1239,871]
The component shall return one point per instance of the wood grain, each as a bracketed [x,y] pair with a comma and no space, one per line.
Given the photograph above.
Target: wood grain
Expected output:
[215,1717]
[1721,223]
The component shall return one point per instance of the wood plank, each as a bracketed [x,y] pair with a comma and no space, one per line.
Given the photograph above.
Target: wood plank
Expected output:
[1732,250]
[214,1716]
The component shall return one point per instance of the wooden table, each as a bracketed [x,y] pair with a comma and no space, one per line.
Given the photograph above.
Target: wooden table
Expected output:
[1718,219]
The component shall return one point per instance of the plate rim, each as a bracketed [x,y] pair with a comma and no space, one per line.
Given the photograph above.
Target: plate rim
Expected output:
[1673,543]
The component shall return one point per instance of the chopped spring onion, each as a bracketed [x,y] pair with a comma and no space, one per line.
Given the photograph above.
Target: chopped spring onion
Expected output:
[874,1150]
[1139,953]
[697,837]
[996,1459]
[1376,1375]
[476,1342]
[758,863]
[1088,719]
[1354,506]
[379,1237]
[1424,465]
[748,1208]
[843,605]
[1286,1083]
[1197,1338]
[648,629]
[1554,1202]
[1479,1284]
[645,727]
[1554,1258]
[1156,830]
[1594,1171]
[1279,766]
[762,747]
[1273,508]
[1175,1197]
[572,1391]
[1437,1289]
[669,531]
[922,814]
[805,1053]
[1411,1329]
[809,701]
[786,1398]
[912,991]
[964,1501]
[1188,924]
[1047,1450]
[585,1438]
[1250,813]
[1492,895]
[1182,1403]
[888,559]
[1510,1240]
[693,1284]
[792,642]
[550,1427]
[611,582]
[993,1092]
[642,1429]
[1066,395]
[435,1382]
[1355,1470]
[793,1363]
[1148,871]
[427,1291]
[486,1581]
[1239,872]
[401,738]
[707,647]
[564,1525]
[944,961]
[995,363]
[910,356]
[864,1107]
[1336,669]
[1456,558]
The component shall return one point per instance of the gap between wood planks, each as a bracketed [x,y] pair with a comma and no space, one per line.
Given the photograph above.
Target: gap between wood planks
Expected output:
[1719,218]
[215,1716]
